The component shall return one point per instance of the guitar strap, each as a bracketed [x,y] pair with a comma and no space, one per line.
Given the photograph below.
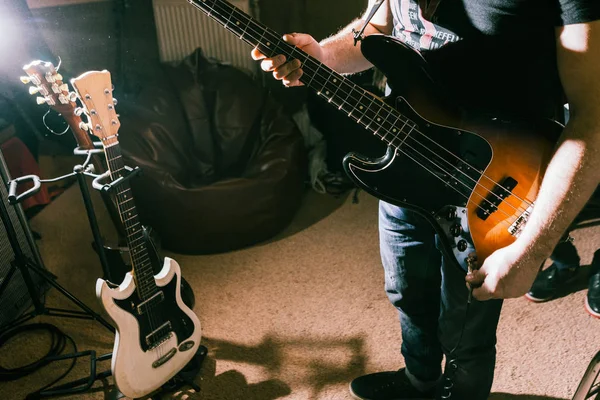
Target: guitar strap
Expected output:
[358,35]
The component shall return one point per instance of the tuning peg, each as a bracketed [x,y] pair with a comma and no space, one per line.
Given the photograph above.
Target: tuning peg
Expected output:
[58,77]
[39,89]
[64,87]
[78,111]
[83,126]
[40,100]
[115,101]
[25,79]
[73,96]
[63,99]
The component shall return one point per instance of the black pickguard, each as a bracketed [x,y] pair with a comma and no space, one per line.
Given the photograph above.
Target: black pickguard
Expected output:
[434,171]
[419,179]
[167,310]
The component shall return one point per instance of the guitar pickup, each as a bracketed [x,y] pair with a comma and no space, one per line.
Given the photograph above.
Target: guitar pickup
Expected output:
[160,335]
[492,201]
[147,305]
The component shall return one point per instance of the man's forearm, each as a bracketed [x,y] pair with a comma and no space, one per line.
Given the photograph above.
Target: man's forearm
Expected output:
[340,53]
[571,178]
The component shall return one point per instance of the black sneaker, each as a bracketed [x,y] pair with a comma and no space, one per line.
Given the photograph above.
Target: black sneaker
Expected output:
[592,300]
[548,282]
[389,385]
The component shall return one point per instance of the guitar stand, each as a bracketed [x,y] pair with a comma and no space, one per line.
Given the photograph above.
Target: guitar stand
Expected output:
[25,265]
[103,185]
[186,376]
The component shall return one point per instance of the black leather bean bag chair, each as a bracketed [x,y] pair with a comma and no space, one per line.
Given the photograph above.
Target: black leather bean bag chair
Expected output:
[223,165]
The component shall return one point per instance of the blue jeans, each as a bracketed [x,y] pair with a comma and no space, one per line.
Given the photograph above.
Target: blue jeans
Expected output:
[431,297]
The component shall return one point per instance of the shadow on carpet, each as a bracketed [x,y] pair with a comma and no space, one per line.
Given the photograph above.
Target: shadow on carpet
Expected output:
[507,396]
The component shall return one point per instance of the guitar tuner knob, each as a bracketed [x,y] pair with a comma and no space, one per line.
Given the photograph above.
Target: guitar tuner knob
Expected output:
[115,101]
[73,96]
[58,77]
[78,111]
[40,100]
[63,99]
[25,79]
[64,87]
[83,126]
[34,89]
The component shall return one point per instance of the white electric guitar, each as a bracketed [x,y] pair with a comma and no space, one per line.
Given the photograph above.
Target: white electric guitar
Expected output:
[157,334]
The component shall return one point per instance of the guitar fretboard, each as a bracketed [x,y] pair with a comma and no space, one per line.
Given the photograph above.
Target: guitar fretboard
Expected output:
[142,265]
[362,106]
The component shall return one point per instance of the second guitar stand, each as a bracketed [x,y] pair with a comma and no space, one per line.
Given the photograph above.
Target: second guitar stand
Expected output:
[25,267]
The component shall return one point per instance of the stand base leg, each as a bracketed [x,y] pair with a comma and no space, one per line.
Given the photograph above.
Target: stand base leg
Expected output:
[185,376]
[80,385]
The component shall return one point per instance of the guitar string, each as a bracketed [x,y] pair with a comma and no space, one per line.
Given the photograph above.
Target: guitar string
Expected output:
[116,165]
[390,109]
[140,272]
[232,9]
[114,170]
[374,99]
[141,257]
[150,285]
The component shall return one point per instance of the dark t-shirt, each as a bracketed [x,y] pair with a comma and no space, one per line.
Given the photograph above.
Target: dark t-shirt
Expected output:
[496,56]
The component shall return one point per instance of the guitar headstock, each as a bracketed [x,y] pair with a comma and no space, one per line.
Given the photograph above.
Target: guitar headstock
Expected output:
[94,89]
[49,86]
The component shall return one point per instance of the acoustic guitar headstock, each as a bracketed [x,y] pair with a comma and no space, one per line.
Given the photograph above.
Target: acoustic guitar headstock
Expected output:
[94,89]
[49,86]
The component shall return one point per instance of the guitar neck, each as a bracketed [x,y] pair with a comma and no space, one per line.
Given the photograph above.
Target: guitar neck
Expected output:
[362,106]
[136,239]
[81,137]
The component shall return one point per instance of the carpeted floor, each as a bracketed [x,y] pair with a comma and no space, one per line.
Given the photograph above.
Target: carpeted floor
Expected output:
[300,316]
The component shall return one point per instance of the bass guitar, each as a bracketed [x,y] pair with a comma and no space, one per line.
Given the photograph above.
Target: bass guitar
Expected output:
[475,179]
[157,333]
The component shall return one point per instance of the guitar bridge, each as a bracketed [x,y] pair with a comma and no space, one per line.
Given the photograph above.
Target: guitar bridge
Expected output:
[517,226]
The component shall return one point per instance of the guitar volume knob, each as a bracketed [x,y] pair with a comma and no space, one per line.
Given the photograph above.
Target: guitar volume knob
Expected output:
[462,245]
[456,230]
